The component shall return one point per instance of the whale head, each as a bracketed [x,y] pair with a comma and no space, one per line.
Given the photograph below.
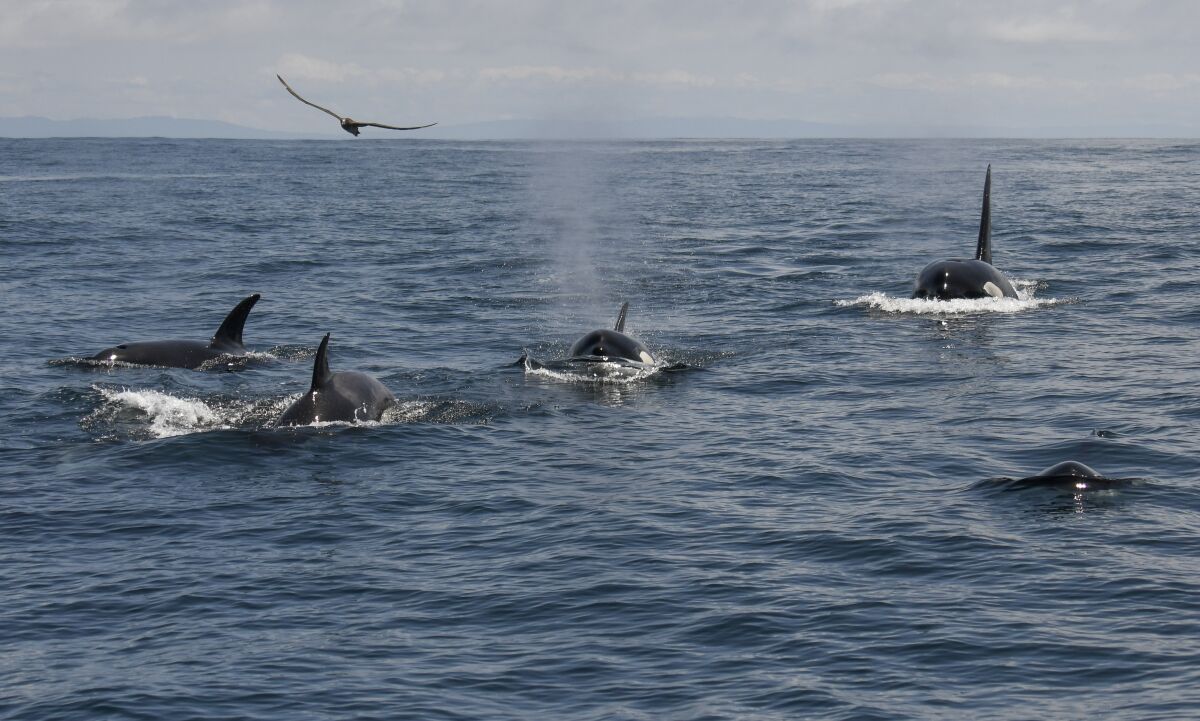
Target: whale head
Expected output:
[957,279]
[612,344]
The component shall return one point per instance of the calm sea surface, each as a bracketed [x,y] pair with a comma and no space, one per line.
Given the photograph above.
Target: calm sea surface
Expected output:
[807,522]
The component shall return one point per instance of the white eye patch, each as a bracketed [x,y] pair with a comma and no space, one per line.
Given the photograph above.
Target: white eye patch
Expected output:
[993,290]
[646,357]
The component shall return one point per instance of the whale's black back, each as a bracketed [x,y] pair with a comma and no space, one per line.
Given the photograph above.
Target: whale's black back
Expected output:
[227,341]
[344,396]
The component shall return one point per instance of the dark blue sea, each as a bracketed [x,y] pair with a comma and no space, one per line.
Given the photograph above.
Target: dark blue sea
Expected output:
[809,516]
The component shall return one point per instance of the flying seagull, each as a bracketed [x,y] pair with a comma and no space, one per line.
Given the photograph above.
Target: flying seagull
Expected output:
[350,125]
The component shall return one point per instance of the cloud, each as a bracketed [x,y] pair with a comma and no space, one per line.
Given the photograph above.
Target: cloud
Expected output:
[12,83]
[136,81]
[1004,81]
[676,77]
[414,76]
[1163,82]
[1048,31]
[247,17]
[304,67]
[965,81]
[557,74]
[301,68]
[547,72]
[466,60]
[51,23]
[911,81]
[68,23]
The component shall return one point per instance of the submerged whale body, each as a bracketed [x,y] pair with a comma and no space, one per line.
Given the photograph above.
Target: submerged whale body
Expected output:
[186,353]
[609,345]
[343,396]
[1071,475]
[963,278]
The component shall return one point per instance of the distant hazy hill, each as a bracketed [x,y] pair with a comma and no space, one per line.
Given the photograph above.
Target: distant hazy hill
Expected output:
[652,128]
[643,128]
[563,129]
[661,128]
[144,127]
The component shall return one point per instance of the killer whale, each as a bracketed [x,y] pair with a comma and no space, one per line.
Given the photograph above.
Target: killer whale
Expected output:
[602,345]
[227,341]
[962,278]
[341,396]
[1070,475]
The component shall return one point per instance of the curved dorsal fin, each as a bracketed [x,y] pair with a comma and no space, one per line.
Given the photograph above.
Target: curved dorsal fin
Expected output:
[620,326]
[321,366]
[230,332]
[983,251]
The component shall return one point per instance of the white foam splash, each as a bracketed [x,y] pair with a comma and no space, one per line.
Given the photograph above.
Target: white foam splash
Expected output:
[1025,300]
[168,415]
[237,362]
[261,355]
[613,373]
[408,411]
[146,414]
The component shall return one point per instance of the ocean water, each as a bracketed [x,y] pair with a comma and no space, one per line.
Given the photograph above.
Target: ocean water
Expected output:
[807,520]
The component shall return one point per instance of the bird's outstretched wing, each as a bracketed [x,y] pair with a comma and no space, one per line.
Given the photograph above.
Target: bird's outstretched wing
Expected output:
[297,96]
[396,127]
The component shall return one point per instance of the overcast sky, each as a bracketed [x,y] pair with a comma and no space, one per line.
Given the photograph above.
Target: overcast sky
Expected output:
[1014,63]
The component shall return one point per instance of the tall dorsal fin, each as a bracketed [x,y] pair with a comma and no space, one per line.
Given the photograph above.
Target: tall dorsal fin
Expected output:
[230,332]
[620,326]
[321,366]
[983,251]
